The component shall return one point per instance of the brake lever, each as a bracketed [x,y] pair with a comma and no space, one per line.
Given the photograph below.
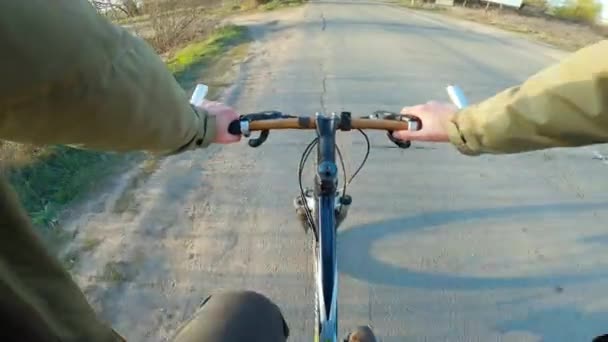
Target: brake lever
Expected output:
[241,126]
[414,124]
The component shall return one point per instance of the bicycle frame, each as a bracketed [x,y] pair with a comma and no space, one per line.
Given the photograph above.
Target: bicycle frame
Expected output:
[326,183]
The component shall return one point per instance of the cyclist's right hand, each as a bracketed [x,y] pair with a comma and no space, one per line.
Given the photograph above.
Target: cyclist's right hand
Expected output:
[434,117]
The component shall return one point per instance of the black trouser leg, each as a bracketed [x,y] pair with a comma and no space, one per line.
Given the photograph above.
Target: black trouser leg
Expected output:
[235,316]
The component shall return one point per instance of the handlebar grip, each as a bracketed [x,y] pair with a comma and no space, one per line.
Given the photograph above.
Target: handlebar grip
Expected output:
[235,128]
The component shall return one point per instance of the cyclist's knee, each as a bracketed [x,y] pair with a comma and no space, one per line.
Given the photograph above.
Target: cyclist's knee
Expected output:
[236,316]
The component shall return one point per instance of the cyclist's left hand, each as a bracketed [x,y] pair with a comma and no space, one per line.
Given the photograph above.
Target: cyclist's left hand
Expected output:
[224,115]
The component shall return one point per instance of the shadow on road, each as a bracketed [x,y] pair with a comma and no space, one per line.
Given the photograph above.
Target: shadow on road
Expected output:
[355,244]
[560,324]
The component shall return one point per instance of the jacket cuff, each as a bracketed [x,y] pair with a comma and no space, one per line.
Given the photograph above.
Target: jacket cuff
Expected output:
[205,132]
[456,134]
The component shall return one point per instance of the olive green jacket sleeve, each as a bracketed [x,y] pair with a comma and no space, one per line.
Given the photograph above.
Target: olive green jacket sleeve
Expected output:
[69,76]
[39,301]
[565,105]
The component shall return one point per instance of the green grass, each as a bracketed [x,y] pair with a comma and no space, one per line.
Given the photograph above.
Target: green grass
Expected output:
[56,177]
[276,4]
[203,51]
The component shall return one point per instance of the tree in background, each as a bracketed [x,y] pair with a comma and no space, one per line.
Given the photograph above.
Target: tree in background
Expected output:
[117,8]
[173,22]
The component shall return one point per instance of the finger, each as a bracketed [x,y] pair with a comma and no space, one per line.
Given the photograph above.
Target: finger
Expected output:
[414,110]
[406,135]
[210,104]
[229,138]
[402,135]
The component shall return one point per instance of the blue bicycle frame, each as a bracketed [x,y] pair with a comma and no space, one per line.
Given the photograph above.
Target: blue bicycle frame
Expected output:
[326,183]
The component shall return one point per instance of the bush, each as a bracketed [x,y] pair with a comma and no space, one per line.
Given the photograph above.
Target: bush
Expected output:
[172,24]
[579,10]
[542,5]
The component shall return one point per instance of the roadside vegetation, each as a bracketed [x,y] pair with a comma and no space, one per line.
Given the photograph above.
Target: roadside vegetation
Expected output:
[48,178]
[204,50]
[578,10]
[276,4]
[188,36]
[571,26]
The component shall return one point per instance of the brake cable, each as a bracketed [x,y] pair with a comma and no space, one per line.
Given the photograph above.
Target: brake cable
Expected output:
[306,154]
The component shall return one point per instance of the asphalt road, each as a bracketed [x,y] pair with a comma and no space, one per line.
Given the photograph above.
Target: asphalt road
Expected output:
[438,246]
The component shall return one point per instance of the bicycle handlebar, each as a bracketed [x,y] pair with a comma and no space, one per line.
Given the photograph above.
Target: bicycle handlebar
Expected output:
[265,121]
[379,120]
[306,123]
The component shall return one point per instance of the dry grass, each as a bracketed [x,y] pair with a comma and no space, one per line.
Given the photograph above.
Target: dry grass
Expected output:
[564,34]
[168,25]
[172,25]
[16,155]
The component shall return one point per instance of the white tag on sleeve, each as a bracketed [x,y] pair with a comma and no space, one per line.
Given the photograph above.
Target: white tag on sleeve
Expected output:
[199,94]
